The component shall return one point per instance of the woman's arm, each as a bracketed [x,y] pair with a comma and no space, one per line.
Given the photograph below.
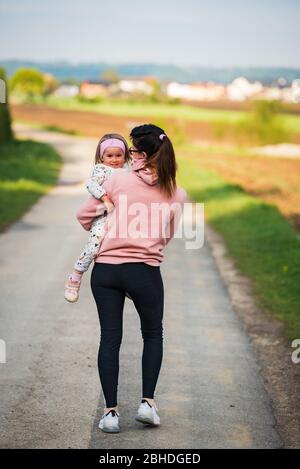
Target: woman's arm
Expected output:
[177,216]
[172,227]
[91,209]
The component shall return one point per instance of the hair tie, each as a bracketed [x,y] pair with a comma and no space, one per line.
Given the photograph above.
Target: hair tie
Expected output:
[162,136]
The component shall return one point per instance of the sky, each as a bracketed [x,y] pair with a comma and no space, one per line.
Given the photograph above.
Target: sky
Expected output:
[183,32]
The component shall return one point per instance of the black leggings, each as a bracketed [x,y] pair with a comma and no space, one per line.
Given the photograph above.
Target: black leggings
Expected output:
[143,282]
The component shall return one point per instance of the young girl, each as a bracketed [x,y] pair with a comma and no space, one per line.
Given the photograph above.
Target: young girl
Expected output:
[111,155]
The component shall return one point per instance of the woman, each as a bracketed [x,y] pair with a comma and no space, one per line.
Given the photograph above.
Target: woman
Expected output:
[129,262]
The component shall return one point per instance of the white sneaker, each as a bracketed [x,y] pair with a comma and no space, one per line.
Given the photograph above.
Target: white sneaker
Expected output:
[148,414]
[110,422]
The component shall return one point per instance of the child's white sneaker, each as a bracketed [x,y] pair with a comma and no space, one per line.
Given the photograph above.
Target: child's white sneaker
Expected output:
[148,414]
[72,290]
[110,422]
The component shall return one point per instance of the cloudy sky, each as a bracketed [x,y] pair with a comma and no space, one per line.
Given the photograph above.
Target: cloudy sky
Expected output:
[184,32]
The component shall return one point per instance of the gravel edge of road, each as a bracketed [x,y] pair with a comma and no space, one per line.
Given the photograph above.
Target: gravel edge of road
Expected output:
[281,377]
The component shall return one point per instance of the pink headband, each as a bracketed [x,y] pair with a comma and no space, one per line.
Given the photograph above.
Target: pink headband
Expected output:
[111,142]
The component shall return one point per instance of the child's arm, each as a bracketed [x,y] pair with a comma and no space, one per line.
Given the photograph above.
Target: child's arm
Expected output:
[128,167]
[94,183]
[94,186]
[93,207]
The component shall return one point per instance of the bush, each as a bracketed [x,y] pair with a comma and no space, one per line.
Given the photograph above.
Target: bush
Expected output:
[263,125]
[27,171]
[91,100]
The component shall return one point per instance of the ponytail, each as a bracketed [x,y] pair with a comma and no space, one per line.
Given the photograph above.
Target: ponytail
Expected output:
[160,153]
[166,167]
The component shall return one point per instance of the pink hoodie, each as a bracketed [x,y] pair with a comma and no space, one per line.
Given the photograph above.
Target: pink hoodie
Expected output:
[134,234]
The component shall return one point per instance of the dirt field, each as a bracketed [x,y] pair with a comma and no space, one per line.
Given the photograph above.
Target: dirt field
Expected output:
[276,180]
[291,108]
[93,124]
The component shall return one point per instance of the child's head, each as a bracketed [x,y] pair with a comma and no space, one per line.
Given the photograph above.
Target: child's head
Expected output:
[112,150]
[158,149]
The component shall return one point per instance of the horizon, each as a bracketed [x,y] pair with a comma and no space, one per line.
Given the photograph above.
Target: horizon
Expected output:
[146,63]
[65,70]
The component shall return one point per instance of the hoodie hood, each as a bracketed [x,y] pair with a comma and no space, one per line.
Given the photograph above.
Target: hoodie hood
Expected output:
[138,166]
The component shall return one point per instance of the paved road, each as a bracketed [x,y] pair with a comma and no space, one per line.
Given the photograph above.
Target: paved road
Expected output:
[210,391]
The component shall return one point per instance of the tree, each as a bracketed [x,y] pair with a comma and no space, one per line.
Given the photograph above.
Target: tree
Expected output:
[110,75]
[50,84]
[28,82]
[157,95]
[6,133]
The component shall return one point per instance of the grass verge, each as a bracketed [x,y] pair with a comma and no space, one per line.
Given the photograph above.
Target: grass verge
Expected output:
[27,170]
[263,244]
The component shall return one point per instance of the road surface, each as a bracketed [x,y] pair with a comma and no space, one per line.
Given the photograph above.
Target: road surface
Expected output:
[210,392]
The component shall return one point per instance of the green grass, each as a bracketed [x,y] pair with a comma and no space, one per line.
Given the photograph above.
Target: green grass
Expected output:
[142,109]
[57,128]
[182,112]
[263,243]
[215,149]
[49,127]
[27,170]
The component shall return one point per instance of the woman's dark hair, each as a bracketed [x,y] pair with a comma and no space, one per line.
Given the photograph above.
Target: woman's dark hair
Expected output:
[160,153]
[107,137]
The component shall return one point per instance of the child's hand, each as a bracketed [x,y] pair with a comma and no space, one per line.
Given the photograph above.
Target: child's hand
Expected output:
[108,203]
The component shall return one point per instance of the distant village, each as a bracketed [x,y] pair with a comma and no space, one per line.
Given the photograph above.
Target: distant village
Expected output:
[240,89]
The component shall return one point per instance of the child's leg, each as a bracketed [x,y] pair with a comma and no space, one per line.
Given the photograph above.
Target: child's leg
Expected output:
[90,251]
[76,276]
[92,247]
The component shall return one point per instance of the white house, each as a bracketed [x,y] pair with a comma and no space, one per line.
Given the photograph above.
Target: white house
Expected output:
[241,89]
[135,86]
[271,93]
[288,94]
[66,91]
[296,91]
[199,91]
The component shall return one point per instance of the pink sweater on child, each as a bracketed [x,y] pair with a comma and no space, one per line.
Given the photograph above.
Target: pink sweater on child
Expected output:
[152,232]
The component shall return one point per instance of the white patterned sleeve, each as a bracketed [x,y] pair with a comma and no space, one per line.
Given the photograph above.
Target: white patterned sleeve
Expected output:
[94,183]
[127,166]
